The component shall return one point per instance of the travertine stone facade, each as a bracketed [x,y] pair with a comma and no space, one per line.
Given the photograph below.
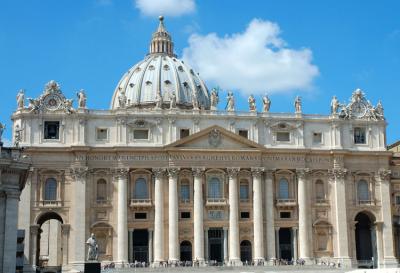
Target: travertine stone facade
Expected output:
[164,177]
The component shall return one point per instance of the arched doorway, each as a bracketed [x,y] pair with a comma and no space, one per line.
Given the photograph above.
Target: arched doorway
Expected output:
[186,251]
[49,241]
[365,240]
[245,252]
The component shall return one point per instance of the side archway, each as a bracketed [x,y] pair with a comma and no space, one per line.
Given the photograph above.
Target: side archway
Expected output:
[245,252]
[365,235]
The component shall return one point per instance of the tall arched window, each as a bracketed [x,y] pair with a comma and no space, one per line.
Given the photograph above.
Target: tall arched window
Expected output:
[50,189]
[319,190]
[185,191]
[214,188]
[244,190]
[101,190]
[362,190]
[283,189]
[141,191]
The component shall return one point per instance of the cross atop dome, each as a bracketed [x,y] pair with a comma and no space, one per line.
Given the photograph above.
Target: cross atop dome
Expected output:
[161,42]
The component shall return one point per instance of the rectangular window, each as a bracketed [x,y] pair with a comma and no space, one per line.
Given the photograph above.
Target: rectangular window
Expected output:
[184,133]
[397,199]
[244,133]
[101,134]
[244,192]
[185,193]
[284,214]
[283,136]
[141,134]
[51,130]
[185,214]
[359,135]
[317,138]
[140,215]
[244,215]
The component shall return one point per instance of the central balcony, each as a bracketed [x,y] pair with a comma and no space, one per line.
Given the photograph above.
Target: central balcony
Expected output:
[216,202]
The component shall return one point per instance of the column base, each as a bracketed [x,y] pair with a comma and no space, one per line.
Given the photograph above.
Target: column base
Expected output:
[173,262]
[346,262]
[389,262]
[75,267]
[307,260]
[159,264]
[121,264]
[235,262]
[259,261]
[198,263]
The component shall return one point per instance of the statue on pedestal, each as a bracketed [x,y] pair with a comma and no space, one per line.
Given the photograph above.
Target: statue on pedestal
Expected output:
[334,105]
[252,103]
[172,104]
[20,99]
[297,105]
[214,99]
[81,99]
[266,103]
[93,251]
[230,105]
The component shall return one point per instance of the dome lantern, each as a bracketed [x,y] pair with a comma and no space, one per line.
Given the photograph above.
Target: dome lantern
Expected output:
[161,42]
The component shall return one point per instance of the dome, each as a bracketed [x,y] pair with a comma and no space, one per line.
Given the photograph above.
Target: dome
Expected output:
[161,80]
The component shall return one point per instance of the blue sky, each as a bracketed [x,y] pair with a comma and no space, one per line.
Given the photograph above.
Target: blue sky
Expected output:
[333,47]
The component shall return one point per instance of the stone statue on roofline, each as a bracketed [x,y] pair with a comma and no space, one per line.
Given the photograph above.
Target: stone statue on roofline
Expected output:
[122,99]
[20,99]
[297,105]
[266,103]
[334,105]
[230,104]
[214,99]
[252,103]
[81,99]
[172,104]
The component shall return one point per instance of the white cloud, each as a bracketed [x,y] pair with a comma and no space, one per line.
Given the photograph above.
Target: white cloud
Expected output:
[254,61]
[165,7]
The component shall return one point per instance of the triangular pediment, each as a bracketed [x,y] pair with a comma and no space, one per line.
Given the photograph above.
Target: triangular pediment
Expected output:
[215,138]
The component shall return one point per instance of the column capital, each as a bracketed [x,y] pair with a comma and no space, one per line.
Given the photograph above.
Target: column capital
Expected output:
[120,172]
[12,193]
[269,173]
[233,171]
[34,229]
[295,228]
[337,173]
[65,228]
[173,172]
[198,172]
[79,172]
[384,174]
[302,172]
[277,228]
[159,172]
[257,171]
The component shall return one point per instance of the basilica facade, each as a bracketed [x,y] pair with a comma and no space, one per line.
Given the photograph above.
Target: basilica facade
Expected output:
[164,176]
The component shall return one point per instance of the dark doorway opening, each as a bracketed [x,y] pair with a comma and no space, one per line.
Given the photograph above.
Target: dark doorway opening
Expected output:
[215,244]
[140,239]
[186,251]
[365,241]
[245,252]
[285,244]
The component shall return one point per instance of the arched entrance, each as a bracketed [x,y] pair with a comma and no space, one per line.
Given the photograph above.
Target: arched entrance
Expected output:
[49,248]
[245,252]
[186,251]
[365,240]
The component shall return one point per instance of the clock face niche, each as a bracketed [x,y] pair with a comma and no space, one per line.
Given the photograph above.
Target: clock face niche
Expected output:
[52,102]
[358,109]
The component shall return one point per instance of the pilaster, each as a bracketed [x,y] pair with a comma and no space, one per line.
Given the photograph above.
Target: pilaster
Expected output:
[159,256]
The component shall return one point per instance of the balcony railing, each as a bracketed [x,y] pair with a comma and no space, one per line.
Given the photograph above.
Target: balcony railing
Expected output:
[185,201]
[286,202]
[49,203]
[216,201]
[140,202]
[366,202]
[321,201]
[244,200]
[102,202]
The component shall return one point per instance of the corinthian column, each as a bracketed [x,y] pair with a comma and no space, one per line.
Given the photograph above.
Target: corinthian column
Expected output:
[258,215]
[269,216]
[234,248]
[198,227]
[387,233]
[158,216]
[304,216]
[337,176]
[78,215]
[122,212]
[173,241]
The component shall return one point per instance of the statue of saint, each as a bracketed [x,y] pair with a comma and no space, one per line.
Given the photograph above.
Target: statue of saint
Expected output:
[81,99]
[230,104]
[214,99]
[266,104]
[20,99]
[93,251]
[195,100]
[172,98]
[2,128]
[378,110]
[122,99]
[159,101]
[17,135]
[252,103]
[334,105]
[297,105]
